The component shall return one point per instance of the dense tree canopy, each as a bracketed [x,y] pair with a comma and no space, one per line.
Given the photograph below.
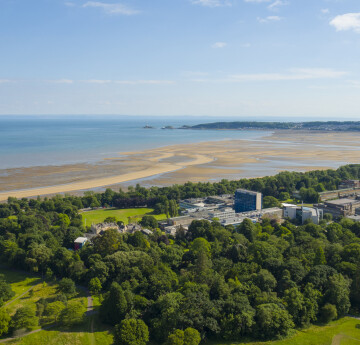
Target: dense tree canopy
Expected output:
[253,280]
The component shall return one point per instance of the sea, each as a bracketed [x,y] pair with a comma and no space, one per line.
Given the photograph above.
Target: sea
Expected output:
[27,141]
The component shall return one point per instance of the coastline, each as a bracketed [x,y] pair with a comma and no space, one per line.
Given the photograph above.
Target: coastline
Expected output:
[195,162]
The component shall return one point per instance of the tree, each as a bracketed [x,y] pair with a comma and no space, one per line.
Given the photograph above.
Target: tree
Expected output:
[131,332]
[24,318]
[191,336]
[272,321]
[247,228]
[53,310]
[176,338]
[4,321]
[328,313]
[338,292]
[270,201]
[110,220]
[67,286]
[149,222]
[319,257]
[265,280]
[5,290]
[114,307]
[95,286]
[188,337]
[72,314]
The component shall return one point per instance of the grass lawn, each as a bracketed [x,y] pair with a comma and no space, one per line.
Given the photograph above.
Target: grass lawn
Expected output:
[90,332]
[345,331]
[21,282]
[98,216]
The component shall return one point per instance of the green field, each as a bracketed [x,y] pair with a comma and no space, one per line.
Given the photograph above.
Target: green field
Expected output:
[345,331]
[98,216]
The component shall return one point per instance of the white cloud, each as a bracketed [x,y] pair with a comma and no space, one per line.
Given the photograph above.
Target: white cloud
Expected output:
[257,1]
[5,81]
[277,3]
[69,4]
[268,19]
[325,11]
[218,45]
[348,21]
[61,81]
[211,3]
[294,74]
[111,8]
[97,81]
[144,82]
[291,75]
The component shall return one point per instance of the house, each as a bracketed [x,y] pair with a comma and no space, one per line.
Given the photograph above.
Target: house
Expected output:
[80,242]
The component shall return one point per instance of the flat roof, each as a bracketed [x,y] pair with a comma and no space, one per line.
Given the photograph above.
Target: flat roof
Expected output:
[342,201]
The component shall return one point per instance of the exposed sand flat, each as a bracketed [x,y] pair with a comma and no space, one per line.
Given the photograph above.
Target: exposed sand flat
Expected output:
[160,168]
[207,161]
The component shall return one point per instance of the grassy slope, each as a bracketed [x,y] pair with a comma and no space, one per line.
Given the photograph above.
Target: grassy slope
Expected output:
[98,216]
[90,332]
[345,331]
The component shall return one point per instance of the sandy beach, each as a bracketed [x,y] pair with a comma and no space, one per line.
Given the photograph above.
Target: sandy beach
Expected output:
[206,161]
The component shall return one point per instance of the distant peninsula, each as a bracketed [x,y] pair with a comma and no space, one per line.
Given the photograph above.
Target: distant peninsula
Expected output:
[348,126]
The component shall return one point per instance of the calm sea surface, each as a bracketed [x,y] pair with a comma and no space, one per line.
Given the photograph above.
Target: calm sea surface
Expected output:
[34,141]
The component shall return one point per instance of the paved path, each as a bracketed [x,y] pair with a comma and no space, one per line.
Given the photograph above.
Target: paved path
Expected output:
[23,294]
[27,333]
[89,312]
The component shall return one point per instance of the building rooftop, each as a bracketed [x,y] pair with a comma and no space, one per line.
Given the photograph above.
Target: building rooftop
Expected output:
[80,240]
[342,201]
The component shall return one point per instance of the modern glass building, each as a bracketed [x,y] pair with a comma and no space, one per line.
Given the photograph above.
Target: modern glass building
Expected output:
[246,200]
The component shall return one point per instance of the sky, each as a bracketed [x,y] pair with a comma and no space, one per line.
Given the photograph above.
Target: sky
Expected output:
[268,58]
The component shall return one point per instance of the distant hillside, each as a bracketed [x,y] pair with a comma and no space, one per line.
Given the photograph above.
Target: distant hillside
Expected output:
[315,125]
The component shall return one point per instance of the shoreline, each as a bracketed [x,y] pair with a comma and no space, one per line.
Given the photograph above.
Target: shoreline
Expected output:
[207,161]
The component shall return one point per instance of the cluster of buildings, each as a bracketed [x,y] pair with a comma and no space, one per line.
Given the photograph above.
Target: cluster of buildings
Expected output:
[233,209]
[226,209]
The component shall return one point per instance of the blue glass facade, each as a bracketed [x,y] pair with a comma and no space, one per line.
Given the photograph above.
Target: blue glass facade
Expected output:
[247,201]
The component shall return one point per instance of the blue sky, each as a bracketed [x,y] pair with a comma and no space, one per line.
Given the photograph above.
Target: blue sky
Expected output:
[286,58]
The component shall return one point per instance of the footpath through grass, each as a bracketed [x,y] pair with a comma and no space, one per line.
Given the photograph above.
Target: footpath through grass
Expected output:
[345,331]
[28,290]
[135,214]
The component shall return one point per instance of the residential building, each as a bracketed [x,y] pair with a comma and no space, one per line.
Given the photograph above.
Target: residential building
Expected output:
[246,200]
[101,227]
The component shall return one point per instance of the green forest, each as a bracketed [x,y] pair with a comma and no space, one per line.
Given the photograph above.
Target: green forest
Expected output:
[257,281]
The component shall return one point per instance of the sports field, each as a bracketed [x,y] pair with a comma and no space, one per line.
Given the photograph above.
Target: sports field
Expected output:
[135,214]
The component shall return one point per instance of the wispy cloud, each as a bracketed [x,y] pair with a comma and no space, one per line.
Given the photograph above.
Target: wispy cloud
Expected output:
[97,81]
[144,82]
[257,1]
[292,75]
[218,45]
[276,4]
[69,4]
[268,19]
[211,3]
[112,8]
[325,11]
[61,81]
[6,81]
[129,82]
[345,22]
